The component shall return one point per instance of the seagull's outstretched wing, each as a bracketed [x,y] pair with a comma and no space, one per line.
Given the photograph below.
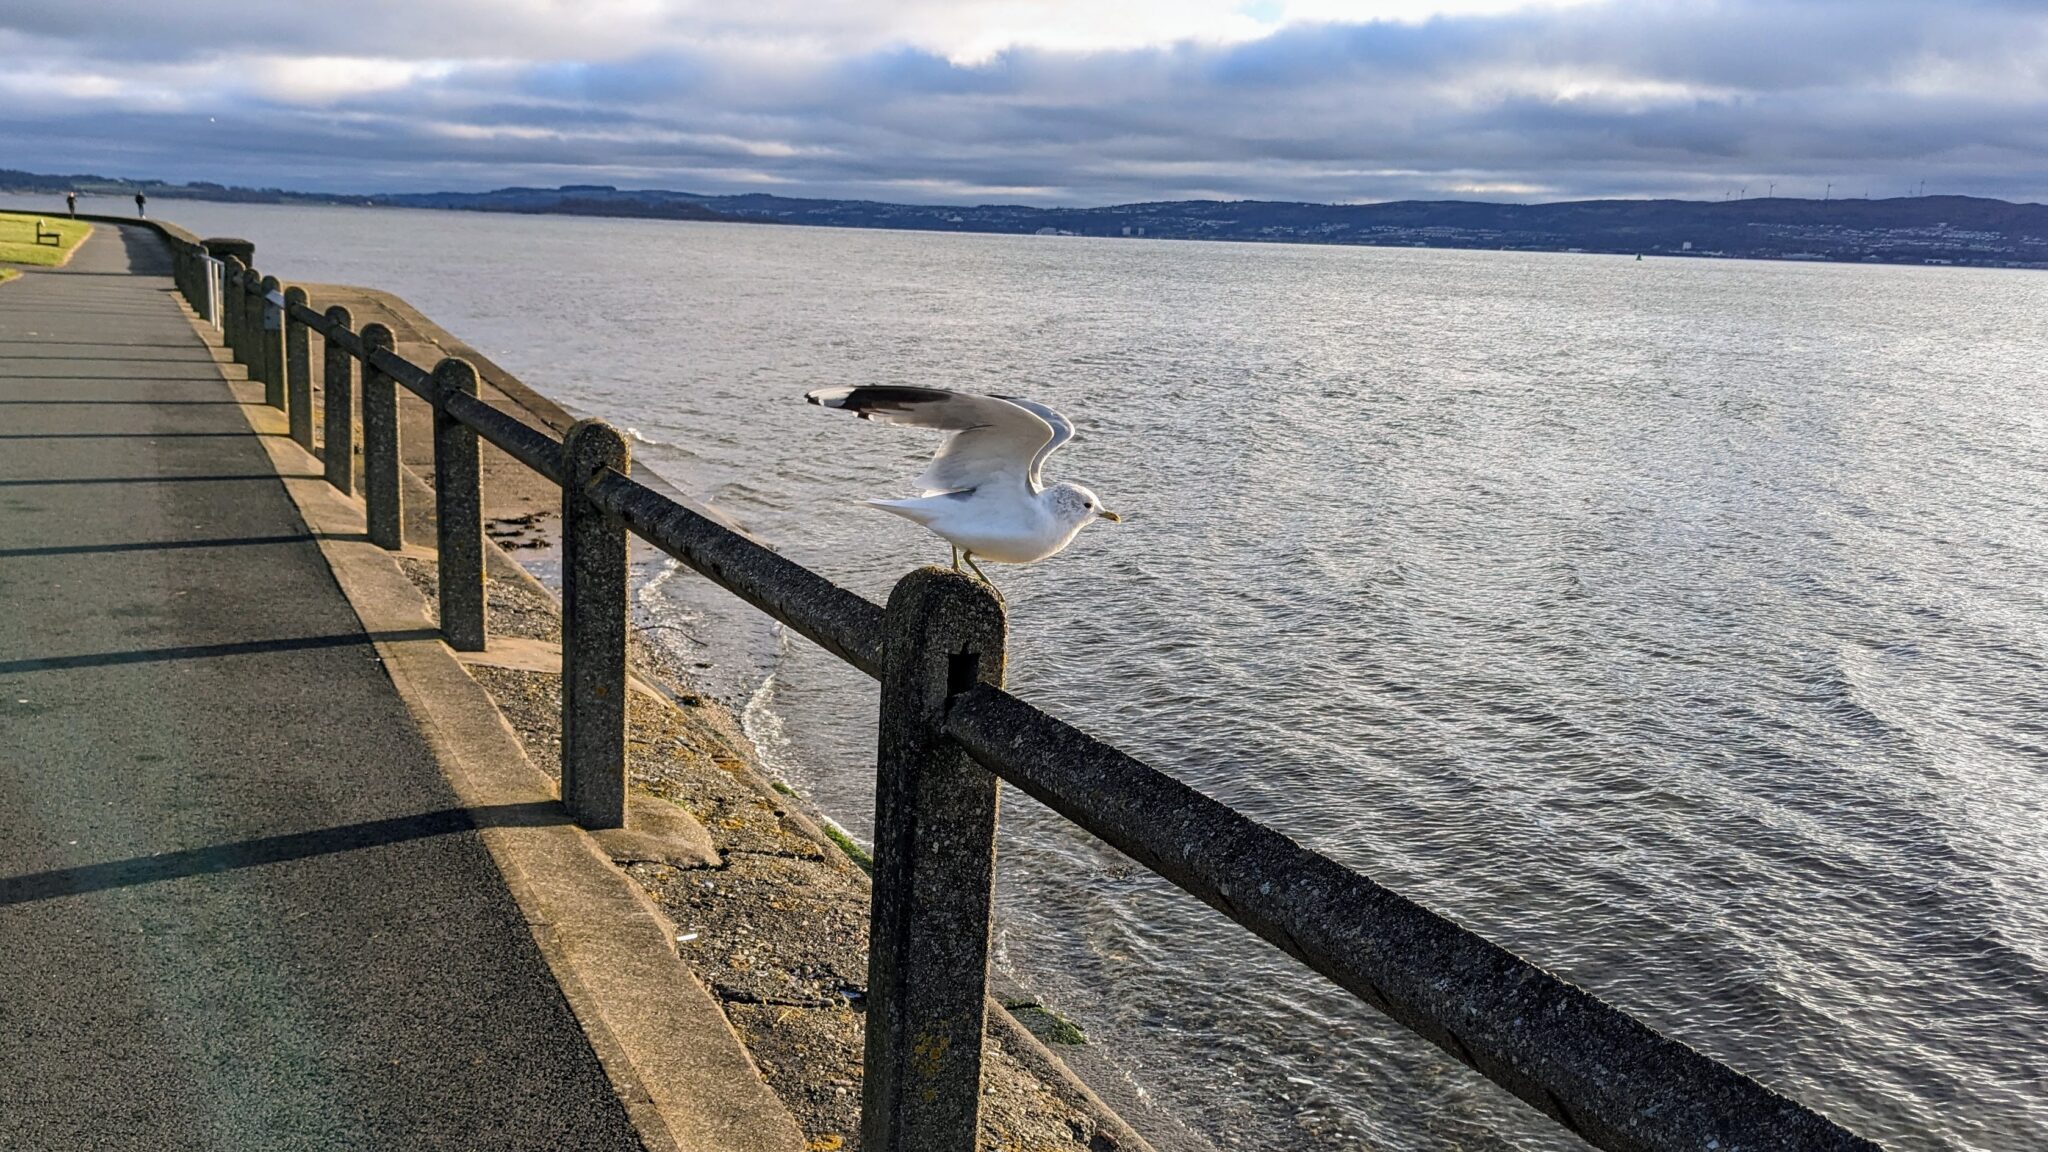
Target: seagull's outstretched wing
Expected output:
[994,437]
[1062,431]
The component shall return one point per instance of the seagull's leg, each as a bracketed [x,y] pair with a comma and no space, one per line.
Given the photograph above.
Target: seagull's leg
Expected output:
[956,557]
[984,577]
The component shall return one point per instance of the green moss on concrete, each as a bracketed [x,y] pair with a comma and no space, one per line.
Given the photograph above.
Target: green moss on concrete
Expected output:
[1047,1024]
[853,851]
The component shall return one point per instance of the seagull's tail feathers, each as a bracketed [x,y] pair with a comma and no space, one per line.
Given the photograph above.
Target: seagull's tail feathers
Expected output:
[917,510]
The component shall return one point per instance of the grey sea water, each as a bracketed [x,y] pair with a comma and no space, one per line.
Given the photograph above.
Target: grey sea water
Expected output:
[1679,624]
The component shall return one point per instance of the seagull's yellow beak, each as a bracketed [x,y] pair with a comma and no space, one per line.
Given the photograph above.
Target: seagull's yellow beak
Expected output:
[1112,517]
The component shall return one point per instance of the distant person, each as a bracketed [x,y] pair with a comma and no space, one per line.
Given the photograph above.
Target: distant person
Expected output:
[71,203]
[142,205]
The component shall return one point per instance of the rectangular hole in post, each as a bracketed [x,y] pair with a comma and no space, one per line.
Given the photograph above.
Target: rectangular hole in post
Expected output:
[963,671]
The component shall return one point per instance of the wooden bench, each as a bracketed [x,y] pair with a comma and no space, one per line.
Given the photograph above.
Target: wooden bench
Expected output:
[48,235]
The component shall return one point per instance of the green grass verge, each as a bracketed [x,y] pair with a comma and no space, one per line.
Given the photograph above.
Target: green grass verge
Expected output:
[18,238]
[7,274]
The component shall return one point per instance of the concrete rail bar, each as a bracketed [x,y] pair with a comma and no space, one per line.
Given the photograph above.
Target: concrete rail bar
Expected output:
[416,379]
[1578,1060]
[840,621]
[307,315]
[519,440]
[348,341]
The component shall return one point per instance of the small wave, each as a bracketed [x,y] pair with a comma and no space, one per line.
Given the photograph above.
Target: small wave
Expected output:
[667,573]
[638,437]
[765,727]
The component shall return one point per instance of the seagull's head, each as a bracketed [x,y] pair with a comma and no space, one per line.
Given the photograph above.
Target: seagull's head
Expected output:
[1075,506]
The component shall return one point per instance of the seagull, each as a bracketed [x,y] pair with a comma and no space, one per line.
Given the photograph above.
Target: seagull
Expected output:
[982,493]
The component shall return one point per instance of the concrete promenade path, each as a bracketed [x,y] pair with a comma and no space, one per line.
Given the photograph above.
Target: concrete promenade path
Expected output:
[239,906]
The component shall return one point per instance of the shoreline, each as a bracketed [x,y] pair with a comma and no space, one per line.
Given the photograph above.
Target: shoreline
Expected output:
[748,923]
[1795,229]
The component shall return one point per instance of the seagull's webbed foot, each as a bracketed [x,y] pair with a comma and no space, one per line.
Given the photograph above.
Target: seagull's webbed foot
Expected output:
[969,557]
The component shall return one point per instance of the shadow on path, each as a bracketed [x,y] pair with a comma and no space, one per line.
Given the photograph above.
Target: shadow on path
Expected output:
[273,850]
[123,380]
[207,651]
[128,435]
[172,545]
[75,480]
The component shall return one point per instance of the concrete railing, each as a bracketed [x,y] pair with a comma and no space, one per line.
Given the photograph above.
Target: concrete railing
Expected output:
[948,732]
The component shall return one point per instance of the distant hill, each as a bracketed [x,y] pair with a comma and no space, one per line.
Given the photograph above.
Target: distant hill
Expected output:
[1911,230]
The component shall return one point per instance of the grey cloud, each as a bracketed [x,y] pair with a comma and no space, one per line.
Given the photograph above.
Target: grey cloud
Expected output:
[1676,99]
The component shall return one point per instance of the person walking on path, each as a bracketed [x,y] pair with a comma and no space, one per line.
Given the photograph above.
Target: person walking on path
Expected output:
[142,205]
[71,204]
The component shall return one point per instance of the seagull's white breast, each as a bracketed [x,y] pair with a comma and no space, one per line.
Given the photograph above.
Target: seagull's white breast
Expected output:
[1000,523]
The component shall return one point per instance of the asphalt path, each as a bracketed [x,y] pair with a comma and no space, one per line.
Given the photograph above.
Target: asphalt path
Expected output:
[239,907]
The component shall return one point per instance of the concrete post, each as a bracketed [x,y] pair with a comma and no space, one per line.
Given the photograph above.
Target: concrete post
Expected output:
[251,304]
[298,371]
[272,338]
[934,886]
[231,306]
[237,304]
[382,501]
[222,247]
[593,632]
[340,401]
[196,290]
[459,512]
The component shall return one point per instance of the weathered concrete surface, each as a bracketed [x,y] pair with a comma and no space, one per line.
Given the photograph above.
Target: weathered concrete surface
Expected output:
[935,869]
[1600,1073]
[458,514]
[779,931]
[338,419]
[382,495]
[808,1049]
[593,633]
[272,337]
[689,750]
[510,490]
[298,371]
[671,1054]
[222,247]
[239,905]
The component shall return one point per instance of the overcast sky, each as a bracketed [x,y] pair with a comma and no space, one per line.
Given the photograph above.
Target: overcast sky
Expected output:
[1065,101]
